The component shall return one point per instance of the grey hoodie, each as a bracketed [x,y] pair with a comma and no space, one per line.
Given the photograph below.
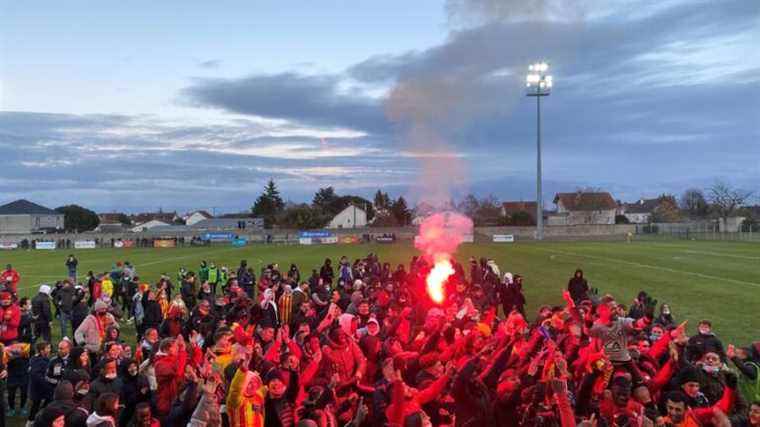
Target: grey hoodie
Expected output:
[95,420]
[88,333]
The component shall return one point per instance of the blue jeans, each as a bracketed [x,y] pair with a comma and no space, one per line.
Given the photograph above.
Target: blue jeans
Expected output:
[64,318]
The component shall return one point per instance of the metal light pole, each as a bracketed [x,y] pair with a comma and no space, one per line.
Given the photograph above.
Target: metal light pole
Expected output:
[538,84]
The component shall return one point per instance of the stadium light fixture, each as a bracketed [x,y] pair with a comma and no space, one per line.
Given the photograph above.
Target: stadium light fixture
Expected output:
[539,84]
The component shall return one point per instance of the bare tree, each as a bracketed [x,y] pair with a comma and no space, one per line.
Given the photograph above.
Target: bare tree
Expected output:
[726,200]
[694,203]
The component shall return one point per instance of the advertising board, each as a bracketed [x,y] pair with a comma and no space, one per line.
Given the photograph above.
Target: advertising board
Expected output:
[84,244]
[44,245]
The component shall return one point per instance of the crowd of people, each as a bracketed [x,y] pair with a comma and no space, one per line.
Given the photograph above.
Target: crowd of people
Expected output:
[358,343]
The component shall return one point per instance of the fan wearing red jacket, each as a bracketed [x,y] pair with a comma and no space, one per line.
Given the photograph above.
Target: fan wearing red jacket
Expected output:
[9,279]
[170,371]
[10,317]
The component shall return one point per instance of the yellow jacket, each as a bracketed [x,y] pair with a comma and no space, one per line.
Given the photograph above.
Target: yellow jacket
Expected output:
[106,287]
[242,410]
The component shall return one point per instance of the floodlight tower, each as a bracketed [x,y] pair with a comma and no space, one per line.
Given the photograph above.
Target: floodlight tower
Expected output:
[539,84]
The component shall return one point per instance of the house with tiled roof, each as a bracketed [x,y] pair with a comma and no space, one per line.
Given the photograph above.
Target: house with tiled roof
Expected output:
[639,212]
[583,207]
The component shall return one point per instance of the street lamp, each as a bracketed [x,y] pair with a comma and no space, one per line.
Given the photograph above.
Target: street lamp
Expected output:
[538,84]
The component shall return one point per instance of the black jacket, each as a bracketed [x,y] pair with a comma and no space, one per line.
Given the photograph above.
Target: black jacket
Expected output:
[78,313]
[64,298]
[578,288]
[102,385]
[152,316]
[41,309]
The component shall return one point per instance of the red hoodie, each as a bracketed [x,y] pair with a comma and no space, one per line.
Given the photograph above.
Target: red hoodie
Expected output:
[10,317]
[170,371]
[13,282]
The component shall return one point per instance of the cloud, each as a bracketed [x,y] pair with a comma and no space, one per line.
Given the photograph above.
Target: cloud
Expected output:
[648,98]
[210,64]
[305,99]
[105,162]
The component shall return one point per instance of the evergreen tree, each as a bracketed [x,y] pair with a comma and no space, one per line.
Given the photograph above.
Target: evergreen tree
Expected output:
[401,211]
[326,200]
[269,204]
[77,218]
[382,200]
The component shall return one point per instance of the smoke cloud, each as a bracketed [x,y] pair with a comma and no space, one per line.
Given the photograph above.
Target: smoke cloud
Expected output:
[441,234]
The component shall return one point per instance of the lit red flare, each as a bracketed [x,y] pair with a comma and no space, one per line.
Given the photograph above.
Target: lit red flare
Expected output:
[436,280]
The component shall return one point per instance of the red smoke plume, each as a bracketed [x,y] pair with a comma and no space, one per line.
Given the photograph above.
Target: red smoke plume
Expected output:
[440,235]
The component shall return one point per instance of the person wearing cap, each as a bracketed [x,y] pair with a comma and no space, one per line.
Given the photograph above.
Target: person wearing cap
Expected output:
[9,279]
[10,318]
[92,331]
[41,313]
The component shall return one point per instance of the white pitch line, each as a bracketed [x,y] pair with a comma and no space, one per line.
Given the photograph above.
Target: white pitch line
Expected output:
[655,267]
[723,255]
[688,249]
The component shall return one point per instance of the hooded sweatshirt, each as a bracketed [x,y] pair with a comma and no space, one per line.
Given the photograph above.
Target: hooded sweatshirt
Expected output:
[95,420]
[93,329]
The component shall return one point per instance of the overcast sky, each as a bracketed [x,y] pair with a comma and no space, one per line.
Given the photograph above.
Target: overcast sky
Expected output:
[181,105]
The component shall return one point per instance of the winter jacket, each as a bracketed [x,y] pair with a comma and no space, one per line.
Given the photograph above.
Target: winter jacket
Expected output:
[63,402]
[55,369]
[39,387]
[170,371]
[14,277]
[106,287]
[104,385]
[79,313]
[95,420]
[18,370]
[41,309]
[152,316]
[133,391]
[91,332]
[64,298]
[188,293]
[244,411]
[578,288]
[25,327]
[749,379]
[345,360]
[10,318]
